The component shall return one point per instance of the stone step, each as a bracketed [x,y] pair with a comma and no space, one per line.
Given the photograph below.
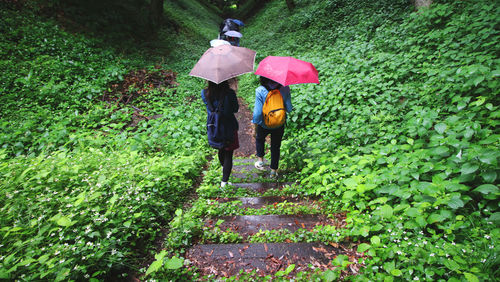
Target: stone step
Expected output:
[223,260]
[259,202]
[248,171]
[248,225]
[262,187]
[244,161]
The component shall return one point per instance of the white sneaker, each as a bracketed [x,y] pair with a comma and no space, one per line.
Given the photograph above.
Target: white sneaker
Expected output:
[223,184]
[274,174]
[259,165]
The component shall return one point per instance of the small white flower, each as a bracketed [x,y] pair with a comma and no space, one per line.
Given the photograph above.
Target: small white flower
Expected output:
[453,243]
[416,278]
[406,238]
[432,254]
[424,242]
[487,236]
[463,250]
[491,246]
[483,260]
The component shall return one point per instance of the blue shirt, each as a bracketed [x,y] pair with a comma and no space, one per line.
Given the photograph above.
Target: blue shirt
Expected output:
[260,98]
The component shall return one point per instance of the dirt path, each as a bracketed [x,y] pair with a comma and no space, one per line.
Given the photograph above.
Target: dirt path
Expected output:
[245,134]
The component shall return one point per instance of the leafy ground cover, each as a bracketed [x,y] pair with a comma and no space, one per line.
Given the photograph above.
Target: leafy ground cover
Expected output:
[402,132]
[401,136]
[87,185]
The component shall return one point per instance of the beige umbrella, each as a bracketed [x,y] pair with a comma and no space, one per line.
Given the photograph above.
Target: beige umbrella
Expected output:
[224,62]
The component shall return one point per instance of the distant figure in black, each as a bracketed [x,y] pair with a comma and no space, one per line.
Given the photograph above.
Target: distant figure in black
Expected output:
[229,30]
[221,93]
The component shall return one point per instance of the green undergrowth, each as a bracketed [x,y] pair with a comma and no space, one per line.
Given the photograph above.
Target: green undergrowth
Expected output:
[87,186]
[215,208]
[402,131]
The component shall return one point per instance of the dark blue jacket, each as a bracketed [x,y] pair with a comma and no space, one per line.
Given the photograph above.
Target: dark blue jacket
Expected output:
[230,107]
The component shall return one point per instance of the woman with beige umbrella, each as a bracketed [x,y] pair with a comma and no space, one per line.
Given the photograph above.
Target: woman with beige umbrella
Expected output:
[218,65]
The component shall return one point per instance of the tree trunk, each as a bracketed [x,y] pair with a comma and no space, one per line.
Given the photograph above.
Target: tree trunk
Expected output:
[156,13]
[290,4]
[422,3]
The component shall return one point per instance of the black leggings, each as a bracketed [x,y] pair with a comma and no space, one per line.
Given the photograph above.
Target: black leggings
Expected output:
[276,136]
[226,161]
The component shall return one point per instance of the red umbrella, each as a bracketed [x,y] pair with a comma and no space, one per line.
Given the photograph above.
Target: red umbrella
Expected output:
[287,70]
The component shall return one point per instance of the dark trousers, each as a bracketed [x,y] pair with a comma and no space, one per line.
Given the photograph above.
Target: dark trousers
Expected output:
[226,161]
[276,136]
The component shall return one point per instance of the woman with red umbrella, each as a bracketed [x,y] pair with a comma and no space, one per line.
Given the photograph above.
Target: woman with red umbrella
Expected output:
[271,105]
[262,130]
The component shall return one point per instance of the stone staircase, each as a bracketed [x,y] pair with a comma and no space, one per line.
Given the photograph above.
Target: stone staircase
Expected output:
[247,217]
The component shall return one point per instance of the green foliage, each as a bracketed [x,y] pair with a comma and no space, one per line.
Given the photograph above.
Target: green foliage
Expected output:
[77,211]
[84,194]
[402,132]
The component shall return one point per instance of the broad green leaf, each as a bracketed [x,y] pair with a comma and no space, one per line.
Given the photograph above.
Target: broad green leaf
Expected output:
[389,266]
[5,275]
[488,158]
[64,221]
[178,212]
[43,259]
[471,277]
[452,265]
[386,211]
[455,203]
[174,263]
[26,261]
[350,183]
[341,260]
[348,195]
[80,198]
[289,269]
[413,212]
[155,266]
[363,247]
[487,189]
[396,272]
[469,168]
[440,151]
[375,240]
[279,273]
[330,275]
[494,217]
[489,176]
[433,218]
[440,128]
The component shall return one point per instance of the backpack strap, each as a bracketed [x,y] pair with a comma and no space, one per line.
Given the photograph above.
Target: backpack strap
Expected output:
[219,105]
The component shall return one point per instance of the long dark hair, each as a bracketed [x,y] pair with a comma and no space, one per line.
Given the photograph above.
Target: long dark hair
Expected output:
[266,82]
[216,91]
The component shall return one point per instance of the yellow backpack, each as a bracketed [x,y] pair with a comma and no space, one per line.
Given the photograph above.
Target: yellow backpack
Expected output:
[273,111]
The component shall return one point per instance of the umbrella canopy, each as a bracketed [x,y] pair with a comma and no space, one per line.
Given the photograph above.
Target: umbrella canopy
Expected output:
[224,62]
[287,70]
[233,33]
